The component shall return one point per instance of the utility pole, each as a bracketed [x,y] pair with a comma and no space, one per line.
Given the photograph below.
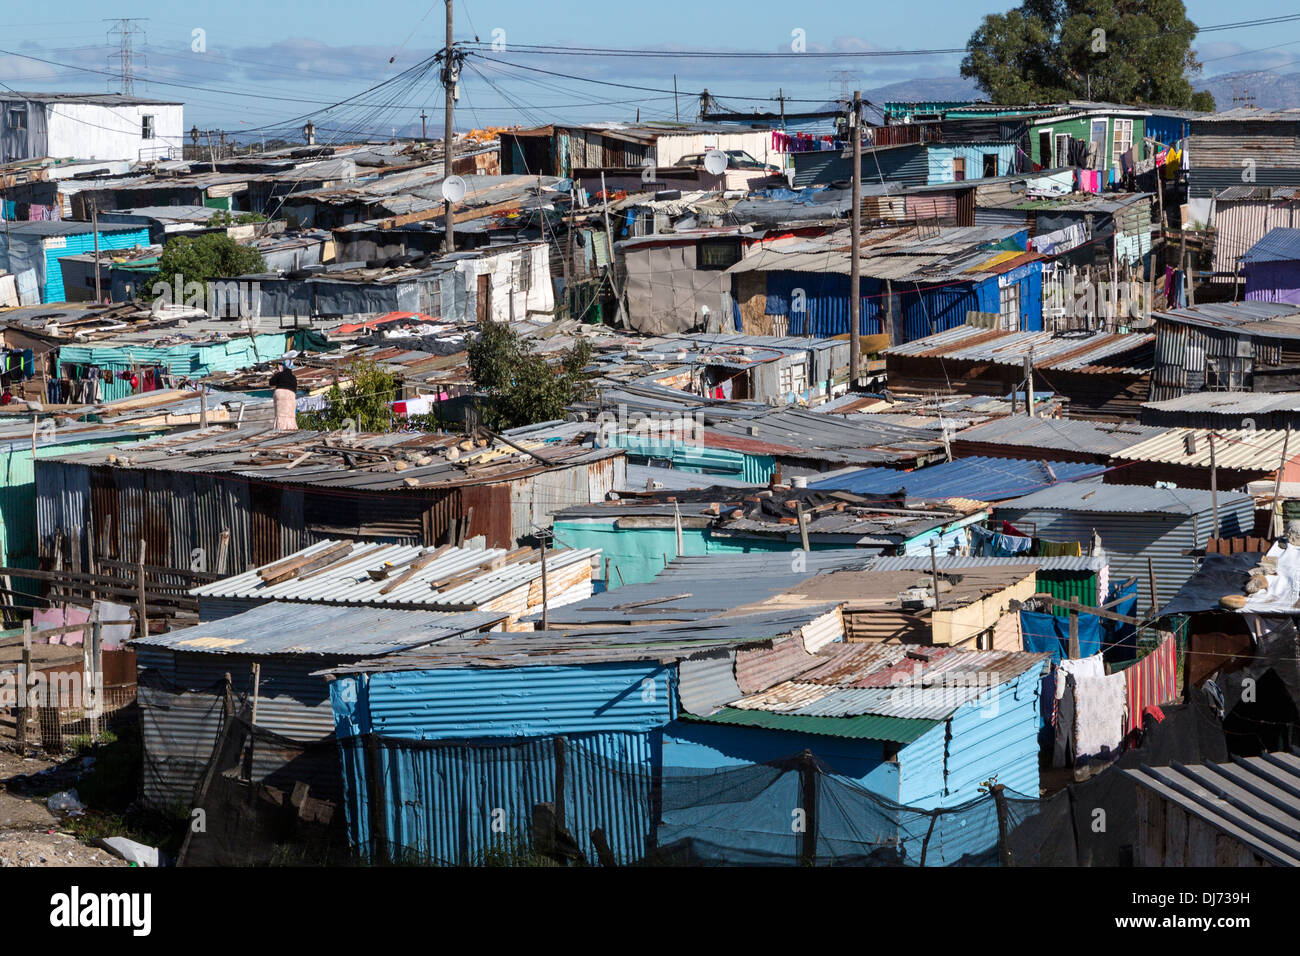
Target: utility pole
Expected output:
[1214,486]
[544,535]
[451,60]
[424,132]
[677,110]
[1275,523]
[934,576]
[1029,383]
[780,96]
[94,228]
[855,256]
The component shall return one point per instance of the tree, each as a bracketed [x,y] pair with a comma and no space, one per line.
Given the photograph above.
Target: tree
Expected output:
[207,257]
[521,386]
[1136,52]
[363,404]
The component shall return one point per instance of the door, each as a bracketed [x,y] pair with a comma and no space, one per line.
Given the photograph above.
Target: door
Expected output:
[483,299]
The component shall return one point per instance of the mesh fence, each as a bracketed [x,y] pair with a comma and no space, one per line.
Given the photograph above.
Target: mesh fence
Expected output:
[559,801]
[265,800]
[596,800]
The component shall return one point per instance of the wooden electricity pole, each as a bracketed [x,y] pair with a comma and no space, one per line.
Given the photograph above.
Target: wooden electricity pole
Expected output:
[855,256]
[94,228]
[1214,486]
[1275,525]
[450,70]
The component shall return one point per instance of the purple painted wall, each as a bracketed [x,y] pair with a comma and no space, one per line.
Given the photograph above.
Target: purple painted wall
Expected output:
[1273,282]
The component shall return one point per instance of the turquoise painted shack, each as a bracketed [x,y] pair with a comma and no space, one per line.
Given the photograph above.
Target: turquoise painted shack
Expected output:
[639,538]
[214,352]
[651,740]
[40,245]
[18,537]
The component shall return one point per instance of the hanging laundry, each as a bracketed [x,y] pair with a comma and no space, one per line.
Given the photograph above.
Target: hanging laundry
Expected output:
[1099,717]
[1094,666]
[1152,680]
[994,544]
[1057,549]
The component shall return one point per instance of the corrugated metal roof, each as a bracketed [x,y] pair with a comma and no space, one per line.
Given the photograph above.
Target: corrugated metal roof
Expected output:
[1123,499]
[1065,351]
[1229,403]
[281,628]
[337,459]
[674,479]
[348,581]
[1278,245]
[650,642]
[697,588]
[983,479]
[1256,800]
[895,729]
[955,562]
[895,681]
[1242,448]
[1264,319]
[1067,434]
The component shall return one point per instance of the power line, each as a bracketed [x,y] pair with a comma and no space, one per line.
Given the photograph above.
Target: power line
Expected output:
[546,49]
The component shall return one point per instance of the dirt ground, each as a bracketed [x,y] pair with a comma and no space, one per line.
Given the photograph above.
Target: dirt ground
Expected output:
[30,835]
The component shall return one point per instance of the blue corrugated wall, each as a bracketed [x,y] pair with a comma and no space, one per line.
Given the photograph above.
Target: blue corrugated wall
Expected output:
[463,802]
[925,310]
[78,245]
[495,727]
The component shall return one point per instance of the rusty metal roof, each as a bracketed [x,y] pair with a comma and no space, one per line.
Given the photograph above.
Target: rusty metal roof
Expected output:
[1049,350]
[391,461]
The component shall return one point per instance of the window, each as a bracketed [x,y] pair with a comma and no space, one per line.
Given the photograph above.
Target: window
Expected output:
[958,169]
[1228,373]
[718,253]
[794,378]
[17,117]
[990,165]
[1098,135]
[1009,307]
[146,127]
[1123,140]
[1061,157]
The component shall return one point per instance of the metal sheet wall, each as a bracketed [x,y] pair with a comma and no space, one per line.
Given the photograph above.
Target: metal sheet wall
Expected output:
[519,701]
[1130,539]
[465,803]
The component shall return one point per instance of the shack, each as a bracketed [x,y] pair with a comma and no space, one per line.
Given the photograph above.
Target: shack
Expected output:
[1147,533]
[269,494]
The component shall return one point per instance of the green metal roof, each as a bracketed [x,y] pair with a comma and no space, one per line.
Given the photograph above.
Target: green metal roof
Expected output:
[901,730]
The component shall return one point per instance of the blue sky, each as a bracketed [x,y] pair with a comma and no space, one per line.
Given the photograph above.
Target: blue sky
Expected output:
[263,64]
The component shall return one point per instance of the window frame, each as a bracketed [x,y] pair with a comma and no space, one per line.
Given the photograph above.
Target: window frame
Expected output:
[1115,151]
[1009,294]
[718,242]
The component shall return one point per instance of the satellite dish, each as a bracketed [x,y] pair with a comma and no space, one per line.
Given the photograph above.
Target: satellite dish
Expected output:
[715,162]
[453,189]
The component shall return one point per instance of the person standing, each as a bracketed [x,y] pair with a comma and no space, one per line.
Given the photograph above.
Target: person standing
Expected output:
[285,395]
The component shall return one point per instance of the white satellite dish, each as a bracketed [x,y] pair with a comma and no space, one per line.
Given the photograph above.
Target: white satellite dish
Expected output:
[715,162]
[453,189]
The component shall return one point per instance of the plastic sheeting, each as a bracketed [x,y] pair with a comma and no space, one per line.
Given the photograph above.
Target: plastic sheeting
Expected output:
[1219,574]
